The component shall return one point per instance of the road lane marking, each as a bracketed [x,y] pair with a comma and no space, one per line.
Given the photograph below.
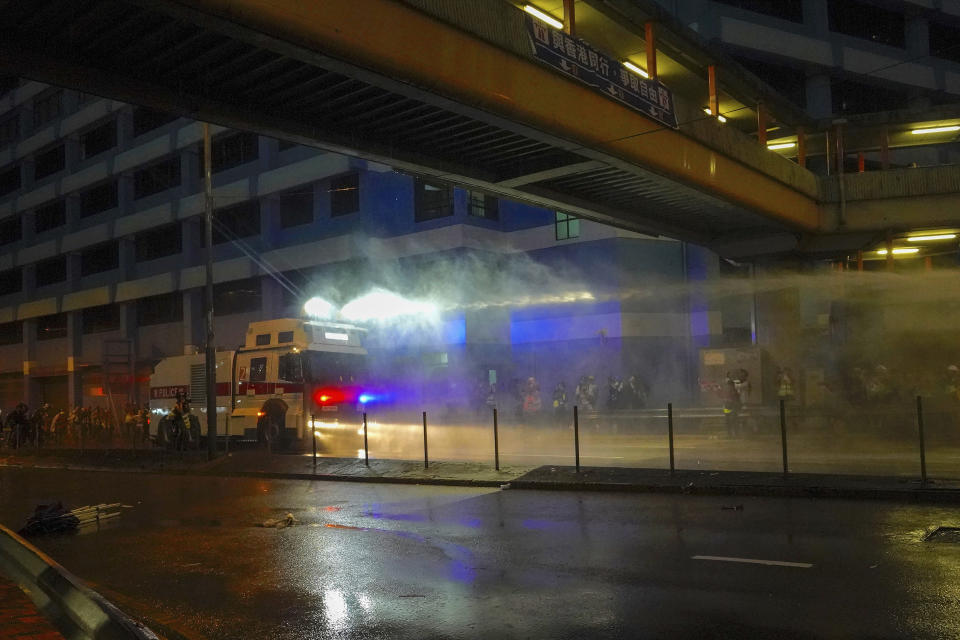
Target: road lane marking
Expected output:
[774,563]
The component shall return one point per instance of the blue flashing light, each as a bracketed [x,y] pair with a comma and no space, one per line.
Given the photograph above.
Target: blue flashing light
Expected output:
[365,398]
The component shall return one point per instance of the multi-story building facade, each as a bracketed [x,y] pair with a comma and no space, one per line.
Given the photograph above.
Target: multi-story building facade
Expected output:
[101,248]
[843,58]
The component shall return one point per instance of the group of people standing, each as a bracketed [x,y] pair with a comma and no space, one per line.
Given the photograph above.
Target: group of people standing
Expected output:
[77,428]
[529,404]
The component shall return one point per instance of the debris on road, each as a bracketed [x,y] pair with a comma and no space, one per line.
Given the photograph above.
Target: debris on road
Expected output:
[54,518]
[280,523]
[730,507]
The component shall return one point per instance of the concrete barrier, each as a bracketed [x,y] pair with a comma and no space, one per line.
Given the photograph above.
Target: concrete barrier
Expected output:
[75,609]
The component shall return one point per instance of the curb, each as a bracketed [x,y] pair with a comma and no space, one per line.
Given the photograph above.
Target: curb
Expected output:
[326,477]
[75,609]
[930,496]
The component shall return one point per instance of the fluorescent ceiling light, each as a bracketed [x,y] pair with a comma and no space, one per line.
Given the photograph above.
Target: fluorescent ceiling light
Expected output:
[941,236]
[721,119]
[707,111]
[637,70]
[543,15]
[781,145]
[954,127]
[899,251]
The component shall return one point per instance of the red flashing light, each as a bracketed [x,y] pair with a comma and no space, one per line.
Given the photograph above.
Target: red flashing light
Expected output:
[332,395]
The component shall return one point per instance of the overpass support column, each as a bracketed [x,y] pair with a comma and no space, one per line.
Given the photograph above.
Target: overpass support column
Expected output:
[780,333]
[761,124]
[714,94]
[73,356]
[29,394]
[801,147]
[885,149]
[651,37]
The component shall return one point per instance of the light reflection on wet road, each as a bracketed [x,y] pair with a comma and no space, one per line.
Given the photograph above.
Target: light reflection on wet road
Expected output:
[372,561]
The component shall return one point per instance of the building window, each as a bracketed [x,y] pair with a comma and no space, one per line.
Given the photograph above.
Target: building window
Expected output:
[160,309]
[345,194]
[943,44]
[97,199]
[238,296]
[156,177]
[100,258]
[11,281]
[232,150]
[11,333]
[159,243]
[867,21]
[49,162]
[849,97]
[263,339]
[84,98]
[51,271]
[100,319]
[46,108]
[9,180]
[145,119]
[98,140]
[791,10]
[50,216]
[284,337]
[8,84]
[432,200]
[11,230]
[567,226]
[52,327]
[789,81]
[239,221]
[296,207]
[258,369]
[480,205]
[9,130]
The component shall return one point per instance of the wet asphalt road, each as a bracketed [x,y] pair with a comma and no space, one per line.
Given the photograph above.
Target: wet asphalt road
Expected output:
[387,561]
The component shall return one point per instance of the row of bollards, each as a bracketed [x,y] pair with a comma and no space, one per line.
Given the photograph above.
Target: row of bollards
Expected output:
[576,439]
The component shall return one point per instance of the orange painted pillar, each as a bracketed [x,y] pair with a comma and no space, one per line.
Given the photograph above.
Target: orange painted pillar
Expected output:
[651,39]
[861,163]
[801,147]
[839,150]
[885,149]
[569,18]
[860,260]
[761,124]
[712,87]
[928,263]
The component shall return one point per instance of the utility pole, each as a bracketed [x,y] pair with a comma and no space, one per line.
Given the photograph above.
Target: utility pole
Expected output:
[211,364]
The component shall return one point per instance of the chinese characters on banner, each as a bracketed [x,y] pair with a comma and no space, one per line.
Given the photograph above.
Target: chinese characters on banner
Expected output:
[578,59]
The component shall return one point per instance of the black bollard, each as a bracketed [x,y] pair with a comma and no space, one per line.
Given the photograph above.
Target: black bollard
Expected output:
[783,434]
[496,442]
[426,460]
[923,451]
[670,433]
[576,437]
[366,446]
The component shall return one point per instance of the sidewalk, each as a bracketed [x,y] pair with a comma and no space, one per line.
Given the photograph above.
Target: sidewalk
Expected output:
[19,617]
